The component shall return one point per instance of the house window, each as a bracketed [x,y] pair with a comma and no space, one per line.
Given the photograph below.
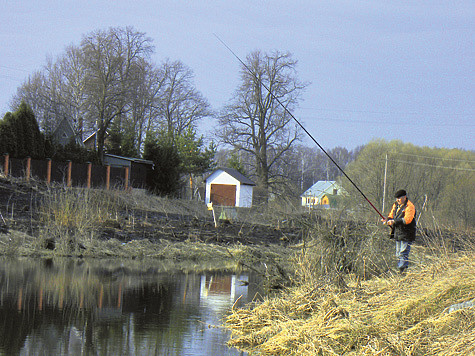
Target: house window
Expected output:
[335,191]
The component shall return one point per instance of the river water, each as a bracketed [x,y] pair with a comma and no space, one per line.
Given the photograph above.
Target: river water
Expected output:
[98,307]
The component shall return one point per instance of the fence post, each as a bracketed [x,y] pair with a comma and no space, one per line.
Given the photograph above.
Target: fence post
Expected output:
[48,170]
[108,176]
[126,184]
[89,166]
[68,179]
[28,168]
[5,166]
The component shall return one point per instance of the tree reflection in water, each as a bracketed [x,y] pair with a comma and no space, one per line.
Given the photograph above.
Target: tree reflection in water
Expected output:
[82,307]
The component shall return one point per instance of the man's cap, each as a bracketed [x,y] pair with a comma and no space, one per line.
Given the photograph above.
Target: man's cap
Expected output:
[400,193]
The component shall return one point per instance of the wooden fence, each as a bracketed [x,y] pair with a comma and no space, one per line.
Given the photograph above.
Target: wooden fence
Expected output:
[74,174]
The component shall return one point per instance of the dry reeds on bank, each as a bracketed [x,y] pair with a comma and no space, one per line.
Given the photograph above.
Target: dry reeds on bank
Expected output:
[334,249]
[69,216]
[397,315]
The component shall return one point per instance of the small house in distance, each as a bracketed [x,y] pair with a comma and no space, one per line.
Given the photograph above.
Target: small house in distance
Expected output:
[324,194]
[65,133]
[228,187]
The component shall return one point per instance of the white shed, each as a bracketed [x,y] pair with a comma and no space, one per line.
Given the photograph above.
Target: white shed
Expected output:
[228,187]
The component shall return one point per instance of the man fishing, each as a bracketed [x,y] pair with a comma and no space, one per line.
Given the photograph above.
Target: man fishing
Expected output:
[402,220]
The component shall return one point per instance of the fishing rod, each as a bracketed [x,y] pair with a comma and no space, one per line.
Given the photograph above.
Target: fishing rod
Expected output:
[4,222]
[301,126]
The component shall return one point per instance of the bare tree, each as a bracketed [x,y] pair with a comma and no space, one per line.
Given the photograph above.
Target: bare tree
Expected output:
[254,121]
[33,92]
[73,69]
[107,85]
[181,104]
[144,116]
[110,57]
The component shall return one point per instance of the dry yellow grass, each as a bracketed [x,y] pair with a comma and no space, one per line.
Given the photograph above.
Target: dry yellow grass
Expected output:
[384,316]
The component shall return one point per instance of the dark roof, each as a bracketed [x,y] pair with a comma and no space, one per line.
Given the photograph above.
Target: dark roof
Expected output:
[132,159]
[235,174]
[66,124]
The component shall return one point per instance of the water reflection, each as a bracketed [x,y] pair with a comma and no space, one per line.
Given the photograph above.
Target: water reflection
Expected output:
[67,307]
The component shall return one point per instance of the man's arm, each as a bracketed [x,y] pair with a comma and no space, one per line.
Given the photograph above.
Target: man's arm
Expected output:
[409,213]
[389,220]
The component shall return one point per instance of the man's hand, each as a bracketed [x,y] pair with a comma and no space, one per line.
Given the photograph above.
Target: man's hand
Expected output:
[388,221]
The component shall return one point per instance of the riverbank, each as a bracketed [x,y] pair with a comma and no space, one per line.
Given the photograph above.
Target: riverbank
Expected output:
[429,311]
[54,221]
[339,295]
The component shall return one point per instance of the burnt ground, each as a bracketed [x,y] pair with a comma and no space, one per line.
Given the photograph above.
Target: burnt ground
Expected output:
[19,201]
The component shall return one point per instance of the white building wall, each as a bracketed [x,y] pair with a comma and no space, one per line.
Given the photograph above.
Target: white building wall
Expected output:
[245,196]
[243,192]
[219,177]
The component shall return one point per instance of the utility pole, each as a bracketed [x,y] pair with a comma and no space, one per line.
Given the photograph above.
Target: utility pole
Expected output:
[327,168]
[384,182]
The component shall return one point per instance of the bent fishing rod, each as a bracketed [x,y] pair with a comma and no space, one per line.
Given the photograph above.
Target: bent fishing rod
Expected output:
[4,222]
[301,126]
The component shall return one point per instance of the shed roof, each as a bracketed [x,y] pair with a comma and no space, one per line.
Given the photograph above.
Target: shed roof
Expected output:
[233,173]
[131,159]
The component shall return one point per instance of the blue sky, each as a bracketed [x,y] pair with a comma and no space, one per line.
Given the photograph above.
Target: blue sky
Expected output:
[377,69]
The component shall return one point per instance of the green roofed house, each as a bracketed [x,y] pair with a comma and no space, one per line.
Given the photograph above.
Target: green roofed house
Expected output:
[323,194]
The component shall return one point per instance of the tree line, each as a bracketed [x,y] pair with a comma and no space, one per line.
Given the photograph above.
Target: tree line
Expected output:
[440,180]
[108,85]
[20,137]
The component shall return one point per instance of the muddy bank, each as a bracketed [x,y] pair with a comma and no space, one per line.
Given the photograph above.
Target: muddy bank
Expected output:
[142,226]
[19,203]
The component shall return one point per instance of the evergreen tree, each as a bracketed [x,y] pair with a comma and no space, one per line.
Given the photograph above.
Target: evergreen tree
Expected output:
[30,139]
[20,135]
[8,142]
[75,153]
[165,177]
[193,157]
[234,162]
[122,140]
[114,139]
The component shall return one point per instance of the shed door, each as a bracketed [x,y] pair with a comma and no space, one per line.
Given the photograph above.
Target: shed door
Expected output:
[223,194]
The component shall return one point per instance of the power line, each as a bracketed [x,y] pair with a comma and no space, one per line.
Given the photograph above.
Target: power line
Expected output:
[433,157]
[379,122]
[10,78]
[387,112]
[12,68]
[430,165]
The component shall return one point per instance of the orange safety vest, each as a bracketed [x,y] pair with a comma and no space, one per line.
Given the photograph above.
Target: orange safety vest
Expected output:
[404,217]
